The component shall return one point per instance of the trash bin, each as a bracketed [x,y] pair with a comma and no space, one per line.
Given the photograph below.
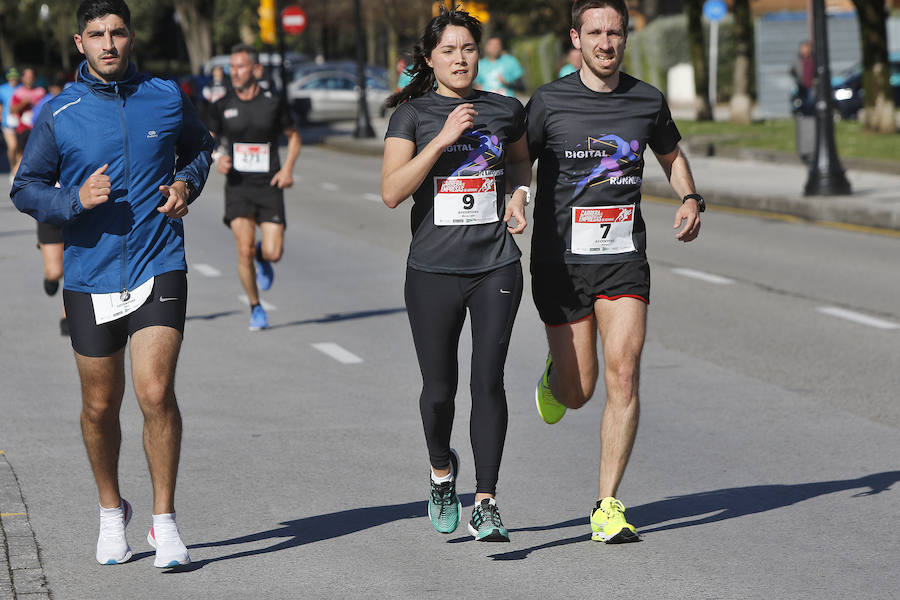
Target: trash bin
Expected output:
[805,136]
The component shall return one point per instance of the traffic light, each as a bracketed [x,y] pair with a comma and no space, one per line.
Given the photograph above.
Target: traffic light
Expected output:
[267,21]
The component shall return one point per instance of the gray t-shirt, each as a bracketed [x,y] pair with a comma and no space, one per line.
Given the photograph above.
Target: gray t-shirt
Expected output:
[457,216]
[590,152]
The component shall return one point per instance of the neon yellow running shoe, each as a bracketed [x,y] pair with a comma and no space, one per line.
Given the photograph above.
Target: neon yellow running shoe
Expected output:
[608,523]
[549,408]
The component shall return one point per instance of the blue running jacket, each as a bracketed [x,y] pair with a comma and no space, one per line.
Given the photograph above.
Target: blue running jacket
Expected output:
[150,135]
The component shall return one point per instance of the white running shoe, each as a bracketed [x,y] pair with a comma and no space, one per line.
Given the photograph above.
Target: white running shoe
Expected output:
[112,546]
[164,536]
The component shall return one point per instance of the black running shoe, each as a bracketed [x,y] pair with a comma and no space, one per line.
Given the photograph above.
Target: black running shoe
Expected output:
[50,286]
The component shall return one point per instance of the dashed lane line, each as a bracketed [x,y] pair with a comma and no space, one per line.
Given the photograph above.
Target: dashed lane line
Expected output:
[330,187]
[266,305]
[207,270]
[857,317]
[703,276]
[372,197]
[337,353]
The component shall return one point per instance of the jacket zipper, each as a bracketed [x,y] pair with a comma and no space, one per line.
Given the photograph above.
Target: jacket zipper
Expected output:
[120,103]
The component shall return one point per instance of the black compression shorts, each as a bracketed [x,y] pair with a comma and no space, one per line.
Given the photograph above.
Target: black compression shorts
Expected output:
[166,306]
[49,234]
[264,203]
[565,293]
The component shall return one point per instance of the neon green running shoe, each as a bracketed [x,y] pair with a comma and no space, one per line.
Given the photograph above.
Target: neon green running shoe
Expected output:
[608,523]
[549,408]
[486,525]
[444,507]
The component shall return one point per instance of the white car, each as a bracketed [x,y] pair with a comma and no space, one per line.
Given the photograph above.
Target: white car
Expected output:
[334,96]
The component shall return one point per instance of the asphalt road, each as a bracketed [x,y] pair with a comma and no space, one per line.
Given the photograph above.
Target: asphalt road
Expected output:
[765,465]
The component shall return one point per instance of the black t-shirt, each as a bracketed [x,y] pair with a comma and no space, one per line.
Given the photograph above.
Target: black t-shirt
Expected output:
[250,130]
[457,216]
[590,148]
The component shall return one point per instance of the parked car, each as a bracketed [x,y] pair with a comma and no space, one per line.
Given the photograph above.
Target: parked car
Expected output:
[333,96]
[270,62]
[848,87]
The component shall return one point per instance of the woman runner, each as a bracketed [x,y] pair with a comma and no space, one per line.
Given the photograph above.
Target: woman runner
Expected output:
[456,150]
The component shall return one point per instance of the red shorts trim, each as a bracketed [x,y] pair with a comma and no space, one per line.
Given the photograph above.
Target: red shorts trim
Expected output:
[641,298]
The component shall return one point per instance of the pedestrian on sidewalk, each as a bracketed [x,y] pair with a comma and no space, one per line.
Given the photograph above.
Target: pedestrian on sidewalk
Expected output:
[456,150]
[589,268]
[129,154]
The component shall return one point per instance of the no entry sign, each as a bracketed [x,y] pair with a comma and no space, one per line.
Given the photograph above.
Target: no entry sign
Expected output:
[293,20]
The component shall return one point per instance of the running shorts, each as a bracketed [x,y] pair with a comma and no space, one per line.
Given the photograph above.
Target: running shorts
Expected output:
[264,203]
[90,339]
[565,293]
[49,234]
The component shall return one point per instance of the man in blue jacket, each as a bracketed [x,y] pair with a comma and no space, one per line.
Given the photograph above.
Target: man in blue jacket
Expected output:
[129,155]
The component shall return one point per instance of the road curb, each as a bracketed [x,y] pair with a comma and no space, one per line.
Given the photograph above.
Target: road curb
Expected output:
[21,571]
[838,209]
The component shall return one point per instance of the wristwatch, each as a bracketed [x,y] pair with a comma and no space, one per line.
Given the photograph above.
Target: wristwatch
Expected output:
[191,189]
[701,203]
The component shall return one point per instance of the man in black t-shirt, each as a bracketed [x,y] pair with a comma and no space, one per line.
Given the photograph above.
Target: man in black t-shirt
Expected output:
[588,131]
[248,123]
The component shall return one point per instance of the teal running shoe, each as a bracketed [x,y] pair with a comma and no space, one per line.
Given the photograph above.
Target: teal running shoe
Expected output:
[444,507]
[486,525]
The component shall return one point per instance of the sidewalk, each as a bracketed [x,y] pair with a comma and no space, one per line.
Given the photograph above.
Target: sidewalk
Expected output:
[774,185]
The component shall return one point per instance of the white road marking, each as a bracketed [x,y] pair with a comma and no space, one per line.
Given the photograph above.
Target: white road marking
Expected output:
[702,276]
[857,317]
[207,270]
[330,187]
[372,197]
[337,353]
[243,298]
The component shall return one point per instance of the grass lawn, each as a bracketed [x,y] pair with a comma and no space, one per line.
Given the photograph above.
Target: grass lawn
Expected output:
[851,140]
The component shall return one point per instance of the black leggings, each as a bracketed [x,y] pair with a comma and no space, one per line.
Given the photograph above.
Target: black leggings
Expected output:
[436,304]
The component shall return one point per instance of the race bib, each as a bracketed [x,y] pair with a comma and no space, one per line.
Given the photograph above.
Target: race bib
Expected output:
[109,307]
[465,200]
[602,229]
[251,158]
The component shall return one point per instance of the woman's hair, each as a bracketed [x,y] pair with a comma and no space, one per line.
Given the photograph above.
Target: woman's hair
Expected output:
[422,75]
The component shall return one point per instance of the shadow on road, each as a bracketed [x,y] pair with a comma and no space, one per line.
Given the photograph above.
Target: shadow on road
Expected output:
[211,316]
[689,510]
[316,529]
[709,507]
[348,316]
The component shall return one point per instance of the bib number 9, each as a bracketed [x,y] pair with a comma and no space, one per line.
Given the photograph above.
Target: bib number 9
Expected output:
[468,201]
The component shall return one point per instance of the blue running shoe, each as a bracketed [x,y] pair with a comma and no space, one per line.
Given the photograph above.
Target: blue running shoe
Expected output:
[486,525]
[444,507]
[258,318]
[265,274]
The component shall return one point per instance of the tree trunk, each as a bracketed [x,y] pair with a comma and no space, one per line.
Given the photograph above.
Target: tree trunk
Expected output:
[7,57]
[743,48]
[693,10]
[196,26]
[878,97]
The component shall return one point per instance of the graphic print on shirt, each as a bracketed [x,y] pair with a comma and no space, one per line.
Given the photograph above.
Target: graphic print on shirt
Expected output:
[618,161]
[485,151]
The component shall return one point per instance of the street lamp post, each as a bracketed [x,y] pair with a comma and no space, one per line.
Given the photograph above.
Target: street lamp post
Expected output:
[44,15]
[363,124]
[826,175]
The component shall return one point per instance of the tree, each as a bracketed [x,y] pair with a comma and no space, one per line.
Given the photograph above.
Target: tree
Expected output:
[878,96]
[194,17]
[693,10]
[743,48]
